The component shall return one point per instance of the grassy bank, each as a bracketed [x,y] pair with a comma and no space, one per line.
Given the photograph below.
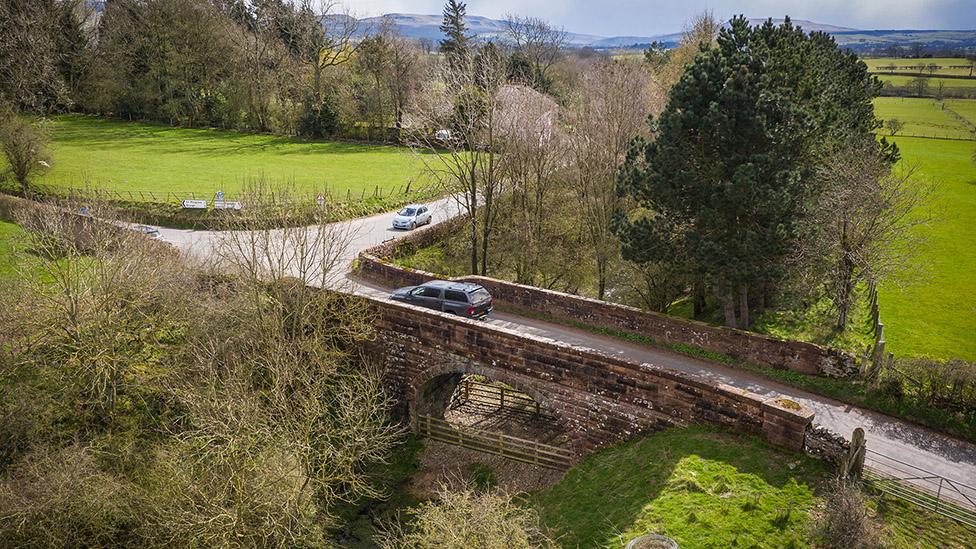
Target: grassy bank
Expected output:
[709,488]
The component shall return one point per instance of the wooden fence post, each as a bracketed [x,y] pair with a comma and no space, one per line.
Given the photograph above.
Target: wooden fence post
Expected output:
[853,464]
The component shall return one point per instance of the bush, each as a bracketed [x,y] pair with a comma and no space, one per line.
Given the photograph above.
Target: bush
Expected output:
[467,518]
[845,522]
[321,118]
[949,385]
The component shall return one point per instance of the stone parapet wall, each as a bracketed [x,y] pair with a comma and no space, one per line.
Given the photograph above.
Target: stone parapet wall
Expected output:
[598,399]
[798,356]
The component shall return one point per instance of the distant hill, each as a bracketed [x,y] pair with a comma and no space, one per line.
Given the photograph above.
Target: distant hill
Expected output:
[808,26]
[427,26]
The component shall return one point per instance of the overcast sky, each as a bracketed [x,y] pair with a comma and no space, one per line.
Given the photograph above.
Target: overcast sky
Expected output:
[649,17]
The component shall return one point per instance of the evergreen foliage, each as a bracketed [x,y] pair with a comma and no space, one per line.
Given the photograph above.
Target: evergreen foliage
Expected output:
[725,188]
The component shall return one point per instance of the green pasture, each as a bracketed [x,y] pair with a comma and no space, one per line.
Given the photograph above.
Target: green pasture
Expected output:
[947,65]
[709,488]
[931,311]
[132,156]
[921,116]
[963,107]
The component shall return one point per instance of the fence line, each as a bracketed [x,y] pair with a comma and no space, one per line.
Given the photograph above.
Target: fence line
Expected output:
[518,449]
[950,498]
[176,197]
[931,136]
[875,356]
[962,119]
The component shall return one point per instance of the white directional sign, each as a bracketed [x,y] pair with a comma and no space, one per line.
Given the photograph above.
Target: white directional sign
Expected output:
[195,204]
[227,205]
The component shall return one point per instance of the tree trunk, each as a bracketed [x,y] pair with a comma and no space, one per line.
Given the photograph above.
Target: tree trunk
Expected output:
[474,243]
[744,306]
[728,304]
[698,299]
[844,292]
[601,274]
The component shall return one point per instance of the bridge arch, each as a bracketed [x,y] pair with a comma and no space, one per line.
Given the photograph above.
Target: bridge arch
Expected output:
[433,389]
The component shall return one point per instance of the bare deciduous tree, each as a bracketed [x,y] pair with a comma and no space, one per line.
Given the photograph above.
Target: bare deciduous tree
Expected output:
[702,30]
[533,145]
[455,116]
[894,125]
[611,109]
[539,41]
[324,36]
[864,222]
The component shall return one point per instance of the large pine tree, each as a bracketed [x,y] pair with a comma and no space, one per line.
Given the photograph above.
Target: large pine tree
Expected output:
[455,42]
[724,187]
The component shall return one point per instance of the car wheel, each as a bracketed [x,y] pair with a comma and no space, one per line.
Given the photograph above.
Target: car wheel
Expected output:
[413,226]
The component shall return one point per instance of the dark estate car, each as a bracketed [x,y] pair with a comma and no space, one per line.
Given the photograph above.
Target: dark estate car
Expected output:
[460,298]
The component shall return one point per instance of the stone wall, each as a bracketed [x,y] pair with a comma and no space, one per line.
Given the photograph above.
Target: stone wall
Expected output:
[825,445]
[598,399]
[798,356]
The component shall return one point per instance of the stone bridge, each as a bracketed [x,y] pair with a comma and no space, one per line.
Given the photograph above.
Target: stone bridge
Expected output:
[597,399]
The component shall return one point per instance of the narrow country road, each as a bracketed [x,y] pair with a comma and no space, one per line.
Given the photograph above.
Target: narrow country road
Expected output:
[905,441]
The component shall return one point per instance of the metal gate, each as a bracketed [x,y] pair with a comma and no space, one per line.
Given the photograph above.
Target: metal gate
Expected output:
[947,497]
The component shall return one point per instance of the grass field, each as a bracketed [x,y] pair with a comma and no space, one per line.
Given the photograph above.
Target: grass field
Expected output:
[117,155]
[709,488]
[935,314]
[923,116]
[964,107]
[947,65]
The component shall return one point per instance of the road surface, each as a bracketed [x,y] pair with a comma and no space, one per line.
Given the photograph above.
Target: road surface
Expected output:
[905,441]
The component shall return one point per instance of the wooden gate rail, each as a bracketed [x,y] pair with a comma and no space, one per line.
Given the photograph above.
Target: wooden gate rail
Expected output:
[519,449]
[489,396]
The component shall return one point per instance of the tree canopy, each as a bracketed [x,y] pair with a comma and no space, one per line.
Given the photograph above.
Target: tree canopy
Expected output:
[724,188]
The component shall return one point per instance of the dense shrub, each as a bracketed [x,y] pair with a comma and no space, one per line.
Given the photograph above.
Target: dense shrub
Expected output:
[949,385]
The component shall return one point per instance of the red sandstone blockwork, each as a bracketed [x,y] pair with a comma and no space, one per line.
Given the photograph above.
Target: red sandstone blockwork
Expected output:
[598,399]
[798,356]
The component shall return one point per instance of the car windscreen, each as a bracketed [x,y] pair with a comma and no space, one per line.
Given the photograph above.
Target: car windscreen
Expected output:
[479,295]
[408,212]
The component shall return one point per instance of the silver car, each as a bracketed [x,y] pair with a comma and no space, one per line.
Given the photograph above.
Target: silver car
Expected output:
[151,232]
[412,216]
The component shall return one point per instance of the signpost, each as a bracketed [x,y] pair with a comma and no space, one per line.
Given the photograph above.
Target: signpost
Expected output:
[227,205]
[195,204]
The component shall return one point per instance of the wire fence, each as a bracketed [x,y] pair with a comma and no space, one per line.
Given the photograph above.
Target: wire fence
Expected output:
[948,497]
[945,137]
